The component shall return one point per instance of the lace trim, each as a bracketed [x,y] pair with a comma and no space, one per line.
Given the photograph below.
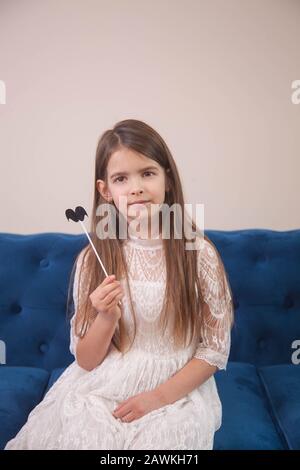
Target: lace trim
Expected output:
[214,358]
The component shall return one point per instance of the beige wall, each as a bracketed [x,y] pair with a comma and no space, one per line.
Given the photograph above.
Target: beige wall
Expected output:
[213,77]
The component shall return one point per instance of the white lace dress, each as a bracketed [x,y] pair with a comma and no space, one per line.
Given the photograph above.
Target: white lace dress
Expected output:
[76,413]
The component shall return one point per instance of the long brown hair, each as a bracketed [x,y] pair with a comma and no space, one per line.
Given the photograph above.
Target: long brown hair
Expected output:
[183,291]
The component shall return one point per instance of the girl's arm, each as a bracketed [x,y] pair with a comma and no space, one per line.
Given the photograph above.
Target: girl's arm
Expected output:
[92,348]
[212,351]
[191,376]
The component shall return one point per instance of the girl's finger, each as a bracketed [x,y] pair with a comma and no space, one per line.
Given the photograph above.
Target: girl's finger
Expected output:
[109,289]
[112,304]
[109,279]
[110,285]
[121,404]
[123,411]
[112,295]
[128,418]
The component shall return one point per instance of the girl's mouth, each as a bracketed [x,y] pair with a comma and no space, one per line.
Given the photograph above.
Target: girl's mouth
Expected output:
[138,203]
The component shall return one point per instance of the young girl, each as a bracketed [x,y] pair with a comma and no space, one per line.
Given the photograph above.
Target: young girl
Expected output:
[148,340]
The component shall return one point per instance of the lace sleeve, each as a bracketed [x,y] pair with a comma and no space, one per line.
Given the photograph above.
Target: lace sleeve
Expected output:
[79,293]
[217,310]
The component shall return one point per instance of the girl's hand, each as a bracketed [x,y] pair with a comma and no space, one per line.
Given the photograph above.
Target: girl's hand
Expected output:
[139,405]
[106,296]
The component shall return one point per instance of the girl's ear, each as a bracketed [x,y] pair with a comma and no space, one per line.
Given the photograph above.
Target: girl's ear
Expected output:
[103,190]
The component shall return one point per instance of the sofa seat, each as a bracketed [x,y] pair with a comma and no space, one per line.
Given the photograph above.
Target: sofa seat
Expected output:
[21,389]
[260,404]
[282,387]
[260,407]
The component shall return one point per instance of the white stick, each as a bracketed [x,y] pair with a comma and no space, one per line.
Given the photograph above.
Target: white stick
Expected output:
[98,257]
[82,225]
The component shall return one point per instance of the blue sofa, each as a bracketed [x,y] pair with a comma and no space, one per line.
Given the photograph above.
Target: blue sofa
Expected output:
[260,390]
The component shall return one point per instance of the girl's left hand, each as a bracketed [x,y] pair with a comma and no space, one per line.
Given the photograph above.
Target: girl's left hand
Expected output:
[139,405]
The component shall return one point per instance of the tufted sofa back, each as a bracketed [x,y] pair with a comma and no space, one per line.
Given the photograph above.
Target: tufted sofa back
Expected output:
[263,268]
[34,275]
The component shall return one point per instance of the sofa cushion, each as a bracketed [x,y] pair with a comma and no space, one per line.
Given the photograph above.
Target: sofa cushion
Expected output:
[282,385]
[256,411]
[263,270]
[247,423]
[21,389]
[35,274]
[53,377]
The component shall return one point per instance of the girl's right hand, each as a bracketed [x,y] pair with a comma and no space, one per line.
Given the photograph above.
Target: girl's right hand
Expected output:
[106,296]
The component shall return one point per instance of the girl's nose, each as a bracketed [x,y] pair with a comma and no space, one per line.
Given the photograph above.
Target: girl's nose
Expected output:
[137,191]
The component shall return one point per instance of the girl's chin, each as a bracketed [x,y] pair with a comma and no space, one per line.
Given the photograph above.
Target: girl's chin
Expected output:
[137,210]
[139,216]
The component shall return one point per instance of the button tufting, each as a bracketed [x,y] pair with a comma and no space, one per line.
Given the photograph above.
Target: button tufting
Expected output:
[44,347]
[288,302]
[44,263]
[16,308]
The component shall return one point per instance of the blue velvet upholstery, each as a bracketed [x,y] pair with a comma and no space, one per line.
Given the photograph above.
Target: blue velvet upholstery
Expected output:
[260,390]
[21,389]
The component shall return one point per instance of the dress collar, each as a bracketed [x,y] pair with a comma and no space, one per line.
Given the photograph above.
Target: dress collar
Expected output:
[155,242]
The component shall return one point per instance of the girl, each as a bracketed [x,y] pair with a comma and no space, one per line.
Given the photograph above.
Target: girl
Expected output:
[143,375]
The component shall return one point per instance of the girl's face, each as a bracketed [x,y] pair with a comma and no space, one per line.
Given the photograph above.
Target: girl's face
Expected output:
[136,178]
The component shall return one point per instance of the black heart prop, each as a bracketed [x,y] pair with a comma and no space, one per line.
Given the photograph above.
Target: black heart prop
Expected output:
[76,215]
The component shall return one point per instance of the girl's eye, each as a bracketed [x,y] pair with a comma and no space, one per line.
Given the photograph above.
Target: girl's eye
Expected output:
[118,179]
